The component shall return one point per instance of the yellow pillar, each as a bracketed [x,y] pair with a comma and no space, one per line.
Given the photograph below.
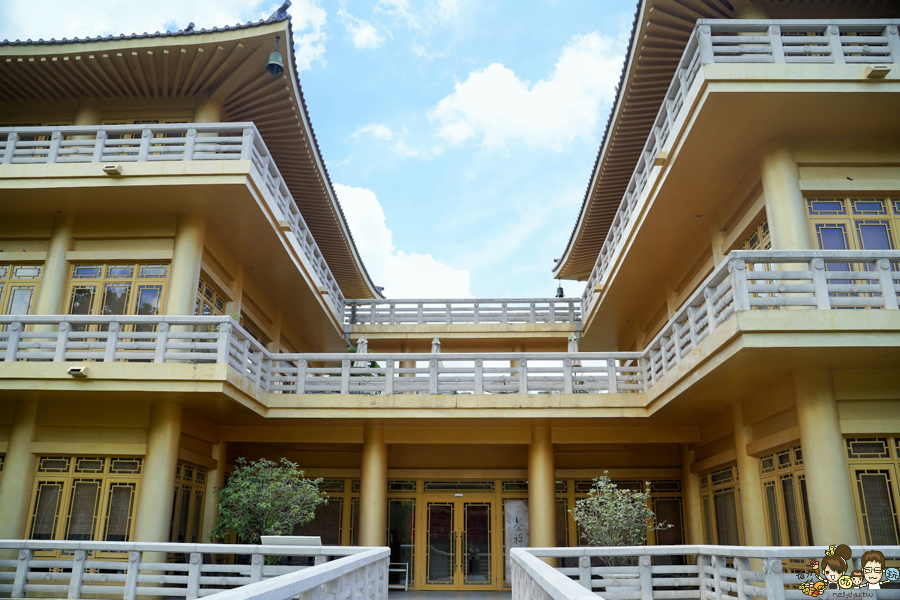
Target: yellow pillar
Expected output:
[693,518]
[373,487]
[831,507]
[18,472]
[541,488]
[87,113]
[785,206]
[751,489]
[216,480]
[154,510]
[208,111]
[185,270]
[51,296]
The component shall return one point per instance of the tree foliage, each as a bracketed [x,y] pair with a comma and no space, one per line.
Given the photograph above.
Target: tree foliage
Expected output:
[613,517]
[265,498]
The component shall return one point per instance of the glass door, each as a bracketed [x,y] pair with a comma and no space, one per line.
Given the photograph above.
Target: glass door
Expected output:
[458,549]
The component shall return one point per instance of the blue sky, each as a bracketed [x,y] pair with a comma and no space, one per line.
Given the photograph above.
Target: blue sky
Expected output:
[459,134]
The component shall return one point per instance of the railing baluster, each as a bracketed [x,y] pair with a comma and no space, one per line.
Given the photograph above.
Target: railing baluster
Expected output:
[420,316]
[300,387]
[193,582]
[531,315]
[12,342]
[584,572]
[62,341]
[433,376]
[611,372]
[144,150]
[345,376]
[820,283]
[774,579]
[479,376]
[10,151]
[717,564]
[646,577]
[504,314]
[112,342]
[567,376]
[256,568]
[53,152]
[523,376]
[741,565]
[389,377]
[833,33]
[738,269]
[247,144]
[131,575]
[223,343]
[21,577]
[476,316]
[774,34]
[886,279]
[710,309]
[76,578]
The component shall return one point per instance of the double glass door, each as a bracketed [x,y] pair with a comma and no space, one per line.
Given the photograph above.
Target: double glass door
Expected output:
[458,551]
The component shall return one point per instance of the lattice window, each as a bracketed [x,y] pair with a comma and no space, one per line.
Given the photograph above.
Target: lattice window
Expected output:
[786,504]
[878,509]
[720,500]
[868,448]
[332,485]
[399,486]
[209,301]
[459,486]
[117,289]
[189,504]
[18,288]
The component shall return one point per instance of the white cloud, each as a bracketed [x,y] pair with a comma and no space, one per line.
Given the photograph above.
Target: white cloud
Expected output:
[434,12]
[90,18]
[402,275]
[403,149]
[363,33]
[378,130]
[495,107]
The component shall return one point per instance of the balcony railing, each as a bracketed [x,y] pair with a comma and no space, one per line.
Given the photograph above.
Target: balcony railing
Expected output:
[869,41]
[747,280]
[677,572]
[113,144]
[776,279]
[464,311]
[47,569]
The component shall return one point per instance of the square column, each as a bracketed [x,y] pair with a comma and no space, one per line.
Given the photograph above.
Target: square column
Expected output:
[831,512]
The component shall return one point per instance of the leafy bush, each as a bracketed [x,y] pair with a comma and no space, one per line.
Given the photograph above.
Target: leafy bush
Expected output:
[613,517]
[265,498]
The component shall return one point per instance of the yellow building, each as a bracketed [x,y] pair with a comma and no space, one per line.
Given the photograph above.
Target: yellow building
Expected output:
[178,288]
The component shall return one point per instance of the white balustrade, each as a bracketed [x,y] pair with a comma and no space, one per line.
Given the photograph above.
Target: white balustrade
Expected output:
[184,142]
[126,570]
[745,281]
[462,311]
[868,41]
[676,573]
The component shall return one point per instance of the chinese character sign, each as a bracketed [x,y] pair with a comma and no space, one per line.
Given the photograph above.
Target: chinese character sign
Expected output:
[516,517]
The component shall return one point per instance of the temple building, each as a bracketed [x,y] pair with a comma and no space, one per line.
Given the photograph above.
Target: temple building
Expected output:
[179,288]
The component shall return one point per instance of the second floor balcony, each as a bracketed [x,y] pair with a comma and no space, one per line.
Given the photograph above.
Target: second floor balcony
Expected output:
[221,171]
[760,314]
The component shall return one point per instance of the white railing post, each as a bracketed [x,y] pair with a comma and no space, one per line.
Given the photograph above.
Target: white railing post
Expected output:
[646,577]
[131,575]
[10,151]
[567,376]
[99,146]
[692,325]
[531,315]
[190,144]
[479,376]
[256,568]
[223,343]
[886,279]
[738,269]
[419,315]
[345,376]
[112,341]
[77,576]
[247,144]
[12,342]
[389,377]
[53,152]
[891,31]
[62,342]
[504,313]
[476,316]
[300,387]
[523,376]
[833,33]
[710,310]
[392,316]
[193,582]
[741,566]
[703,566]
[772,568]
[21,577]
[611,376]
[144,150]
[775,43]
[820,283]
[433,376]
[717,562]
[584,572]
[704,41]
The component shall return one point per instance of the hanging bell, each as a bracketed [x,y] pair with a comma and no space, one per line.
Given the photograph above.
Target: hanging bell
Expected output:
[559,292]
[276,63]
